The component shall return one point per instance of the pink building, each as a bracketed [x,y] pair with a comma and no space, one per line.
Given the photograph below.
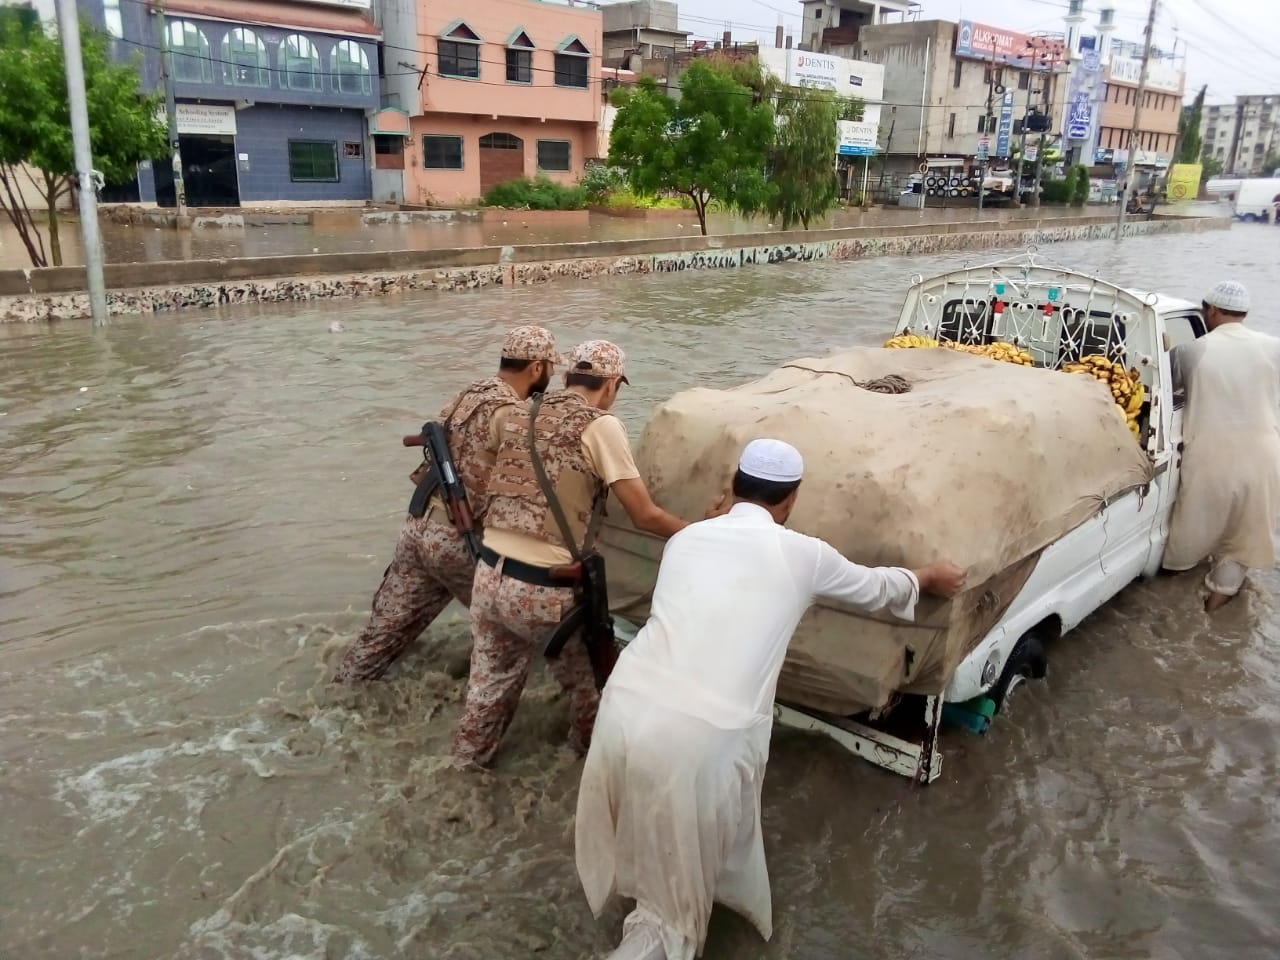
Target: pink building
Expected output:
[509,88]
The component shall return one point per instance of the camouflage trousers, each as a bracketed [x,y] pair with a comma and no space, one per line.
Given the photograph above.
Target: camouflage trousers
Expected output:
[510,622]
[430,567]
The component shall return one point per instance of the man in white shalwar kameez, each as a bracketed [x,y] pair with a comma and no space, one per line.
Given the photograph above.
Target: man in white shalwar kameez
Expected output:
[1229,489]
[669,805]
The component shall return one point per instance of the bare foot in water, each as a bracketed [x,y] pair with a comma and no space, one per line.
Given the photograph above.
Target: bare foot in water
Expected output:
[1216,601]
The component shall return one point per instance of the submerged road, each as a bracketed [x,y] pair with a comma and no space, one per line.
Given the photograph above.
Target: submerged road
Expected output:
[196,508]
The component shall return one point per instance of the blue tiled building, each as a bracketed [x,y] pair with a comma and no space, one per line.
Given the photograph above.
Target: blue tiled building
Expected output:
[274,97]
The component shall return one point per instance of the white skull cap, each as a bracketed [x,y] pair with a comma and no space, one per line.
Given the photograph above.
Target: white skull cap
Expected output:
[1229,295]
[772,460]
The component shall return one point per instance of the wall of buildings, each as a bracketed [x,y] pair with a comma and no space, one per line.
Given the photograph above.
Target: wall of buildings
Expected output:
[508,88]
[263,135]
[916,58]
[272,97]
[462,183]
[1161,107]
[1243,134]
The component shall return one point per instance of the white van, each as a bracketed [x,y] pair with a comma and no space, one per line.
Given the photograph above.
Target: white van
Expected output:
[1255,199]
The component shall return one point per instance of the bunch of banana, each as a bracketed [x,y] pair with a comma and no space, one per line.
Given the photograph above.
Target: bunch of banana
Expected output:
[1125,385]
[999,350]
[909,340]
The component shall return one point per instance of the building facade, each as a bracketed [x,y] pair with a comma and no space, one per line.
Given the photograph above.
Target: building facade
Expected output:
[1161,109]
[640,30]
[1243,135]
[493,90]
[273,98]
[952,89]
[836,23]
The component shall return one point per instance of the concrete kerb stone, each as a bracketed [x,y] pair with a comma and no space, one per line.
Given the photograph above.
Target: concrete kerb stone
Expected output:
[211,283]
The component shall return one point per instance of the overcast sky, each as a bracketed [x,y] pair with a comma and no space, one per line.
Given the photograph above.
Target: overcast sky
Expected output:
[1231,45]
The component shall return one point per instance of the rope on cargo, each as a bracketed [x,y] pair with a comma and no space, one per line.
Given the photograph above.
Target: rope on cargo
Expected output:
[890,383]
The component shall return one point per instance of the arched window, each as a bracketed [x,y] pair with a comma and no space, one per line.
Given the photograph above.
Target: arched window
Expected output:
[245,59]
[352,67]
[301,63]
[573,61]
[458,50]
[189,58]
[112,19]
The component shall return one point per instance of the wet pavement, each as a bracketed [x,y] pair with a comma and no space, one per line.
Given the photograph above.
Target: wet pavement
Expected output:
[188,543]
[344,233]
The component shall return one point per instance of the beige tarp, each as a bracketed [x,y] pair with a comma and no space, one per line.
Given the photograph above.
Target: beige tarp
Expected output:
[982,462]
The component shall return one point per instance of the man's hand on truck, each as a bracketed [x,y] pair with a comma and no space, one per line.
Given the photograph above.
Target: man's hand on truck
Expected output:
[941,578]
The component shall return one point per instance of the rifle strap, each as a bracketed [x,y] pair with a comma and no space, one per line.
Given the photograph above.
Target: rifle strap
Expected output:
[557,511]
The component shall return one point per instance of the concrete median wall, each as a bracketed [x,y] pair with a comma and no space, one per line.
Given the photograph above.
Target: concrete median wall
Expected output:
[57,293]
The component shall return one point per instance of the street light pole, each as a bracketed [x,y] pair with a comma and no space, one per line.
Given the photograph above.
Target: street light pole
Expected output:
[170,108]
[1047,91]
[69,31]
[1134,133]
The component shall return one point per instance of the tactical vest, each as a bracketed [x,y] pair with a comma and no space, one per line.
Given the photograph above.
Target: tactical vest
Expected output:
[466,420]
[516,502]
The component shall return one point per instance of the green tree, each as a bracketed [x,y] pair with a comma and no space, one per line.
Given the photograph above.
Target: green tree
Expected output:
[1078,178]
[851,108]
[1189,140]
[1211,166]
[35,125]
[710,145]
[802,161]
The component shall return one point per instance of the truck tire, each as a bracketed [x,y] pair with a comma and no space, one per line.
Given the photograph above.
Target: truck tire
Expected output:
[1250,218]
[1026,662]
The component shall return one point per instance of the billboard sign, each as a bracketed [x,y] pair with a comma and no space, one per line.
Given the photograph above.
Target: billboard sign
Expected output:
[1184,181]
[857,138]
[979,41]
[1004,132]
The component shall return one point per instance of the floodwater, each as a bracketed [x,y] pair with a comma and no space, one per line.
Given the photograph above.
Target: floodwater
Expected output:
[197,508]
[340,230]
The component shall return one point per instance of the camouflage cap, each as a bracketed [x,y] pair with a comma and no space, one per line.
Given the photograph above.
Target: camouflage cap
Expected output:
[600,358]
[530,343]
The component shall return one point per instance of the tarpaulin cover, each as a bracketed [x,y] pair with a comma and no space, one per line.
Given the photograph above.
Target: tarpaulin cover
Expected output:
[981,462]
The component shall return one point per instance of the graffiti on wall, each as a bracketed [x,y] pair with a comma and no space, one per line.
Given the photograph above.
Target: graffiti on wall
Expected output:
[161,298]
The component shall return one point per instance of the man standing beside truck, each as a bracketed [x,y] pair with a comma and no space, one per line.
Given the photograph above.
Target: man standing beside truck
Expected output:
[669,804]
[559,460]
[432,563]
[1229,494]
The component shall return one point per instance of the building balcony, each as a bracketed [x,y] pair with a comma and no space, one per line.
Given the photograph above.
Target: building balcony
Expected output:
[840,36]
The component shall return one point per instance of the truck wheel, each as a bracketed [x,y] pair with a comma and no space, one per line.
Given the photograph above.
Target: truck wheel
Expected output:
[1026,662]
[1250,218]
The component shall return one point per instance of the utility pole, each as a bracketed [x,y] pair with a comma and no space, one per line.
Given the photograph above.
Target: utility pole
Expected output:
[1022,151]
[170,106]
[69,31]
[1047,91]
[984,152]
[1135,132]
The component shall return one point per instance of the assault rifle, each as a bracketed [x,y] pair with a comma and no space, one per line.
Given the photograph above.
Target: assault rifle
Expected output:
[443,478]
[589,614]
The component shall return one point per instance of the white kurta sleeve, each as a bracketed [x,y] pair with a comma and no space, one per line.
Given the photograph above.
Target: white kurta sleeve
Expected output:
[868,588]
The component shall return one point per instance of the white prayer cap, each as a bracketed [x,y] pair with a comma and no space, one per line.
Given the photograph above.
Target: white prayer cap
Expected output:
[1229,295]
[772,460]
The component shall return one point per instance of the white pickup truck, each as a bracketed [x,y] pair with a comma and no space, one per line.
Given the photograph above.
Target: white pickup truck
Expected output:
[1058,316]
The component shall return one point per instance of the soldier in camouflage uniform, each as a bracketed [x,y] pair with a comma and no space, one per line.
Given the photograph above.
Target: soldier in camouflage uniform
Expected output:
[516,603]
[431,564]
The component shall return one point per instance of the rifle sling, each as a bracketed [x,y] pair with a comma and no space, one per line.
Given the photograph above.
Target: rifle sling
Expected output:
[557,511]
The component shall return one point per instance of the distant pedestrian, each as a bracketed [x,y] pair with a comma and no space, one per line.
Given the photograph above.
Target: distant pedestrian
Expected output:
[432,564]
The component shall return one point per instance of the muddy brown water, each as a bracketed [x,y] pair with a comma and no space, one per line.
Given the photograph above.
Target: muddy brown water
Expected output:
[197,508]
